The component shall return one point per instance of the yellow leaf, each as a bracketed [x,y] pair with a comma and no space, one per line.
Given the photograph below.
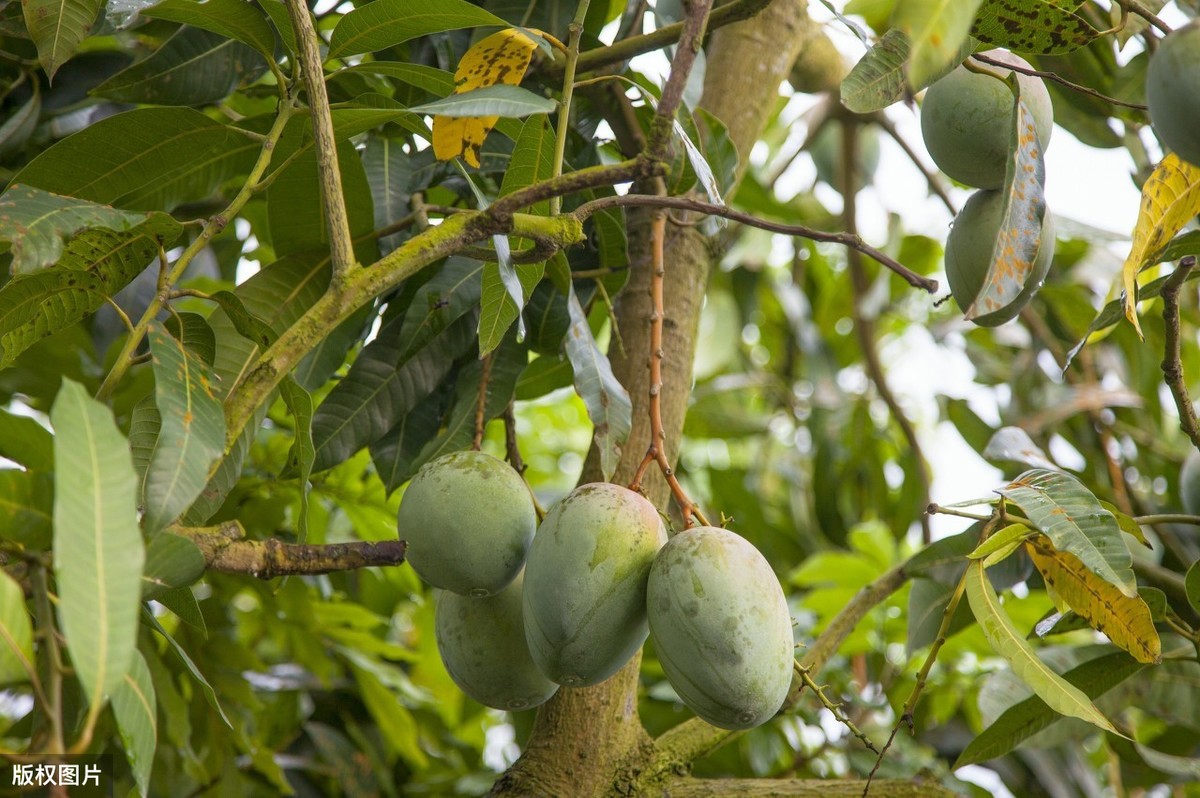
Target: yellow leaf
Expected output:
[501,58]
[1170,198]
[1125,620]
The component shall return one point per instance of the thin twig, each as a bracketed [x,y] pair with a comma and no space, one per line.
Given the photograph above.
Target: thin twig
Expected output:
[935,183]
[865,327]
[684,203]
[340,247]
[834,709]
[1136,8]
[1172,367]
[690,40]
[481,403]
[511,449]
[1037,73]
[575,33]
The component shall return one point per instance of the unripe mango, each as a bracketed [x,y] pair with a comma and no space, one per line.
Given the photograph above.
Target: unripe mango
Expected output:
[967,120]
[721,627]
[826,152]
[468,519]
[1173,91]
[969,253]
[585,583]
[482,643]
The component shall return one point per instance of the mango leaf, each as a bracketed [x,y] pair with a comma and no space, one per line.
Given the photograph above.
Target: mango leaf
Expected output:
[182,602]
[1060,695]
[1170,199]
[38,224]
[303,453]
[388,169]
[1026,718]
[98,553]
[1128,525]
[16,633]
[144,159]
[1042,27]
[136,711]
[381,388]
[21,124]
[936,31]
[396,453]
[1019,238]
[282,21]
[384,23]
[927,603]
[471,115]
[234,19]
[396,723]
[191,436]
[23,440]
[26,507]
[193,67]
[1125,620]
[192,330]
[1006,540]
[172,562]
[1062,509]
[57,27]
[878,79]
[209,694]
[607,402]
[943,560]
[1191,585]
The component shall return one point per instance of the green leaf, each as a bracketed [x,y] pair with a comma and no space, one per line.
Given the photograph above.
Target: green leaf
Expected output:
[388,169]
[1060,695]
[136,712]
[192,330]
[384,23]
[303,453]
[98,551]
[927,603]
[1006,540]
[382,387]
[234,19]
[395,454]
[1191,585]
[209,694]
[1188,767]
[26,506]
[943,560]
[21,124]
[282,21]
[878,79]
[26,442]
[1025,719]
[16,633]
[191,436]
[182,602]
[1019,237]
[396,723]
[38,224]
[505,101]
[194,67]
[1062,509]
[606,399]
[438,82]
[936,32]
[1043,27]
[57,27]
[172,562]
[144,159]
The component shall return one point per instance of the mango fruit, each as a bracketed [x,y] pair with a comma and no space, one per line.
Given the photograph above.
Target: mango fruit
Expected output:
[1173,91]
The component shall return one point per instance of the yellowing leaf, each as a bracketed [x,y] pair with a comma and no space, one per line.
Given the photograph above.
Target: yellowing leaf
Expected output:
[1125,620]
[1170,198]
[501,58]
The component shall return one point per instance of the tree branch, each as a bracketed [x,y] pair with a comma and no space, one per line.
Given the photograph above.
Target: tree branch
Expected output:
[683,203]
[687,787]
[226,551]
[341,247]
[1172,366]
[691,38]
[1037,73]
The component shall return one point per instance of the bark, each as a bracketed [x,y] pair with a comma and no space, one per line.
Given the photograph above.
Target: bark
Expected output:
[590,741]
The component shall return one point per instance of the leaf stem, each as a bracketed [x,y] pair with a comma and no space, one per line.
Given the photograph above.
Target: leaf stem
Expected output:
[341,247]
[211,229]
[575,33]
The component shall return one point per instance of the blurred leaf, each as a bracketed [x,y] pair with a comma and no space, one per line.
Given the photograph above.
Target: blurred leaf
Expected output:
[1019,238]
[98,551]
[1170,199]
[233,19]
[878,79]
[16,633]
[608,403]
[172,561]
[389,172]
[1125,620]
[191,435]
[1192,585]
[1025,719]
[944,560]
[26,442]
[927,604]
[58,26]
[193,67]
[1013,445]
[136,712]
[396,722]
[384,23]
[1032,26]
[303,453]
[20,124]
[26,501]
[936,31]
[1060,695]
[1062,509]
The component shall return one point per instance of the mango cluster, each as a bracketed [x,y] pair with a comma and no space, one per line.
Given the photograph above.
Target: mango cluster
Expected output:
[967,123]
[518,614]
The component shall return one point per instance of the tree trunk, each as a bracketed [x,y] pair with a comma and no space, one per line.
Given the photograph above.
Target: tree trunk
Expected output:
[590,741]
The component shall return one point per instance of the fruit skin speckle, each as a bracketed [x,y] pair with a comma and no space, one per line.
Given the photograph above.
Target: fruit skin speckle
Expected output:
[1173,92]
[721,627]
[468,519]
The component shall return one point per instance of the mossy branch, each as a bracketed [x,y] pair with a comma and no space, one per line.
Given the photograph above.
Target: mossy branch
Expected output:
[226,550]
